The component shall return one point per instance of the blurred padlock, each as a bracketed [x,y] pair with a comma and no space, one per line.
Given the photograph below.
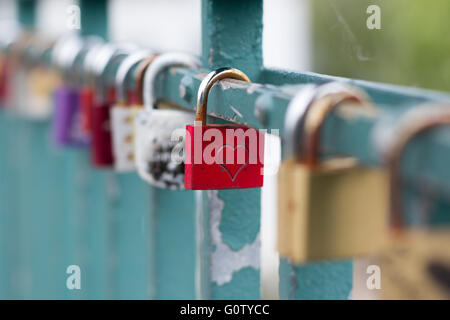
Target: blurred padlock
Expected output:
[42,79]
[234,158]
[87,87]
[105,96]
[16,99]
[10,33]
[332,209]
[67,121]
[415,264]
[66,99]
[3,79]
[123,114]
[159,144]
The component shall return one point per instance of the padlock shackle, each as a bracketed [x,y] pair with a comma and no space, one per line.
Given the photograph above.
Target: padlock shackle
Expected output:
[159,64]
[79,53]
[65,48]
[296,142]
[206,85]
[124,70]
[109,54]
[11,32]
[140,72]
[294,120]
[316,116]
[413,123]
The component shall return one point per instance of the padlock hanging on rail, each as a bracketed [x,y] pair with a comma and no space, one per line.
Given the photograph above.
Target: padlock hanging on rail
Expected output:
[416,259]
[222,156]
[333,209]
[124,111]
[67,120]
[159,144]
[104,97]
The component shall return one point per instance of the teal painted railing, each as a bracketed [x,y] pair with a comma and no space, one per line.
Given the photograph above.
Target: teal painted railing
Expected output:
[135,241]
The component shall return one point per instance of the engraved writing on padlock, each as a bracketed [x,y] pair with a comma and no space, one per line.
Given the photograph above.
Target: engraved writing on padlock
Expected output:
[222,156]
[67,118]
[327,210]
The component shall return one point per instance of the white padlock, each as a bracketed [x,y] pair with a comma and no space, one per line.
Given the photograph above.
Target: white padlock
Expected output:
[160,133]
[123,114]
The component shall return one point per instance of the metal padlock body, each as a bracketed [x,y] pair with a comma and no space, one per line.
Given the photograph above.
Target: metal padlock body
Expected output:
[224,174]
[123,128]
[41,84]
[159,158]
[336,210]
[416,266]
[67,118]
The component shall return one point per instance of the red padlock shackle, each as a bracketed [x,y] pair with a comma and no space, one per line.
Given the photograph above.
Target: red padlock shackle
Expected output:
[206,85]
[416,121]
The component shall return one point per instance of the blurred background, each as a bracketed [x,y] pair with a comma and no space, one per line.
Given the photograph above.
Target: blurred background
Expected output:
[325,36]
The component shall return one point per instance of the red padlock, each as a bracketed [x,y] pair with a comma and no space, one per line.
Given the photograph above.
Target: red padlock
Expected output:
[222,156]
[104,98]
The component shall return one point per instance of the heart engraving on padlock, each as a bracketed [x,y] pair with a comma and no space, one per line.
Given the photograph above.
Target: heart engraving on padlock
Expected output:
[226,167]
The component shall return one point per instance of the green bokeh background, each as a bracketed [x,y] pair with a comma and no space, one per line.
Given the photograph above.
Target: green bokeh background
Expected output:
[412,48]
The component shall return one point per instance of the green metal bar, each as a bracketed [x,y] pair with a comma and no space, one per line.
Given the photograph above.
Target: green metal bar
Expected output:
[27,13]
[94,18]
[88,200]
[316,281]
[263,106]
[232,36]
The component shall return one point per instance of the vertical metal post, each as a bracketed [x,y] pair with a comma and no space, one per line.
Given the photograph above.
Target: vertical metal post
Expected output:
[94,18]
[27,13]
[232,36]
[121,226]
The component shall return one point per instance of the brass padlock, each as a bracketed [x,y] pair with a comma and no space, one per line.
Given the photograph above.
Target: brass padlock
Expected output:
[415,264]
[332,209]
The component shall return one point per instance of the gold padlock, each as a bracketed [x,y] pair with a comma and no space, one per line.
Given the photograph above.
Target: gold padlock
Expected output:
[332,209]
[415,264]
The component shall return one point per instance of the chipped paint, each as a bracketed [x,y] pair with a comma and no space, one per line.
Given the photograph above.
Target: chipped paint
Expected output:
[233,84]
[182,89]
[225,261]
[254,87]
[236,111]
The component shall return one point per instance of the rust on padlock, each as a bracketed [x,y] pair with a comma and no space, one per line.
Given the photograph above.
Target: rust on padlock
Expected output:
[415,263]
[331,209]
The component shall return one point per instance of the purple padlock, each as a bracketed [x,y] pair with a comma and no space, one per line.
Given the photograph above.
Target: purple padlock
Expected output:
[67,129]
